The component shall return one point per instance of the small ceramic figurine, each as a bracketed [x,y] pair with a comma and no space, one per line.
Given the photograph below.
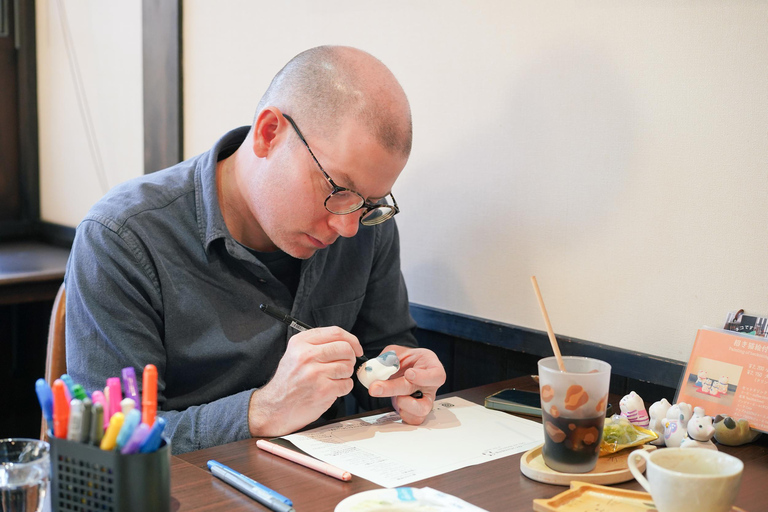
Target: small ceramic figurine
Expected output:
[733,433]
[674,432]
[680,408]
[700,431]
[658,412]
[633,408]
[701,378]
[723,385]
[705,387]
[381,368]
[714,389]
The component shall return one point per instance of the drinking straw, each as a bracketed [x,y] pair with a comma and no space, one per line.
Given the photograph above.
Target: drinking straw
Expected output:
[550,332]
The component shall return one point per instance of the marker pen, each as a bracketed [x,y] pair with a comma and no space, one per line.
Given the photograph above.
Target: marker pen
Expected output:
[85,433]
[154,438]
[78,392]
[132,420]
[149,394]
[115,395]
[137,438]
[45,397]
[75,428]
[130,386]
[60,409]
[127,405]
[110,436]
[70,385]
[97,424]
[99,398]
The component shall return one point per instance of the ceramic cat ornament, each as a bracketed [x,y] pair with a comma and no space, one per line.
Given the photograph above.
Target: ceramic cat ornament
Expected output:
[381,368]
[633,408]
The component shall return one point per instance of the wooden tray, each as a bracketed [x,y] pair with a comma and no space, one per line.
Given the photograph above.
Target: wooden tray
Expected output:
[584,497]
[611,469]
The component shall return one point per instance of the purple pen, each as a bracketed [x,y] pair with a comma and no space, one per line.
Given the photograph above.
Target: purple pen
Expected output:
[138,437]
[130,387]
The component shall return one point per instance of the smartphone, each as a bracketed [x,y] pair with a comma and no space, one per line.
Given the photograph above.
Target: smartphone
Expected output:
[515,400]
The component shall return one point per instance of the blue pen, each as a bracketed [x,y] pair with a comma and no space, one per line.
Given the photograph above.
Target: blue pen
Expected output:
[129,425]
[264,495]
[130,386]
[45,397]
[154,438]
[70,385]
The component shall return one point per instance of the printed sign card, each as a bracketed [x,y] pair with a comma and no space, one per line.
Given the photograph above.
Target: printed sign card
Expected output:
[728,374]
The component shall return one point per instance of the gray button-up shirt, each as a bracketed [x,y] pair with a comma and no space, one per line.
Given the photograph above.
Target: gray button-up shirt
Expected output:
[155,277]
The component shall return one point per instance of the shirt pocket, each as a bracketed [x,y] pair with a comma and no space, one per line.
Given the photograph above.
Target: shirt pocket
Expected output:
[343,315]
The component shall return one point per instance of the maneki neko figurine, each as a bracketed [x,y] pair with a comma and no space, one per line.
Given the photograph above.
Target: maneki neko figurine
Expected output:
[633,408]
[700,431]
[674,432]
[658,412]
[701,378]
[681,408]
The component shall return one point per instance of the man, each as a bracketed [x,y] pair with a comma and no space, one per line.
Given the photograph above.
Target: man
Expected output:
[293,211]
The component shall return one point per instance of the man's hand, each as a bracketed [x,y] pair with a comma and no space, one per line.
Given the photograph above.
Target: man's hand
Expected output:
[315,370]
[421,370]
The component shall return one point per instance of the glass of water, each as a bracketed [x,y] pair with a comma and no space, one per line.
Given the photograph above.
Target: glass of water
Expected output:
[25,469]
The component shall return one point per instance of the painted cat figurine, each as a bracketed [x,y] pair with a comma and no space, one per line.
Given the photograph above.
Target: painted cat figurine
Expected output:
[633,408]
[658,412]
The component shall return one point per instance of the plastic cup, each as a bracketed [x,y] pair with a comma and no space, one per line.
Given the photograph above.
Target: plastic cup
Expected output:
[25,469]
[573,411]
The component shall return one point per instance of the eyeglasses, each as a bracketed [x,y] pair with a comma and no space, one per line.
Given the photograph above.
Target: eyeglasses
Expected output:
[342,201]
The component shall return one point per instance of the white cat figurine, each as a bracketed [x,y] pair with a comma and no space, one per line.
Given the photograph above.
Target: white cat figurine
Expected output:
[678,409]
[658,412]
[633,408]
[701,378]
[700,432]
[723,385]
[674,432]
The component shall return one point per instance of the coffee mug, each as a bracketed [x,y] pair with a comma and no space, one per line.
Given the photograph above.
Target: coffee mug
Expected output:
[681,480]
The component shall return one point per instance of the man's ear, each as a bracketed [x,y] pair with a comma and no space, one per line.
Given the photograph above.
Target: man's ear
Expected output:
[265,131]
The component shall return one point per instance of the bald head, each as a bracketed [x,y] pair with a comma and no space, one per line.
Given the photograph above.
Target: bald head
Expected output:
[324,86]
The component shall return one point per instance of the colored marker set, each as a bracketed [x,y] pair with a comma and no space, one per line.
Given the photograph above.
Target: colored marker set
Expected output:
[113,419]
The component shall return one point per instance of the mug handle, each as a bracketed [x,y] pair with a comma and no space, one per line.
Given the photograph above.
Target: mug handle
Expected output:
[631,462]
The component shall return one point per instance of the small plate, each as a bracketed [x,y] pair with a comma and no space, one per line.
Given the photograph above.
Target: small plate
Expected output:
[611,469]
[584,497]
[401,499]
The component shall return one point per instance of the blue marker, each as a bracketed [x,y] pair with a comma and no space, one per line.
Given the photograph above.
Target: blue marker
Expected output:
[70,385]
[154,438]
[45,397]
[129,425]
[264,495]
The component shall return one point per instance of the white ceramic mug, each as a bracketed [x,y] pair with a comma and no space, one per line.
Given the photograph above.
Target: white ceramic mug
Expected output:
[682,480]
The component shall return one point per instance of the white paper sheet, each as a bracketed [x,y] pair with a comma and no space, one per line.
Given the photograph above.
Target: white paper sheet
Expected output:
[386,451]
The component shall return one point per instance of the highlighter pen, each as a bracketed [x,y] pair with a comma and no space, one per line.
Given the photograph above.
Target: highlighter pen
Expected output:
[45,397]
[132,420]
[115,395]
[127,405]
[60,409]
[258,492]
[75,428]
[99,398]
[149,394]
[70,385]
[97,423]
[78,392]
[85,433]
[154,438]
[301,327]
[139,435]
[110,436]
[130,387]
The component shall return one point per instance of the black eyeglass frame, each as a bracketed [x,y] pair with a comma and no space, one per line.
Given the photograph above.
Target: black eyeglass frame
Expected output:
[369,207]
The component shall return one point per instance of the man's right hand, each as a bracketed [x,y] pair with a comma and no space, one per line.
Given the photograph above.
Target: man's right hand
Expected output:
[316,369]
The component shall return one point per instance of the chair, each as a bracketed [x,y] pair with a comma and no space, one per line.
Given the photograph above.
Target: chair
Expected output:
[56,357]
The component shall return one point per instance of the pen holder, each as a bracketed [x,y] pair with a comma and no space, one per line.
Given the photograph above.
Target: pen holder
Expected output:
[85,478]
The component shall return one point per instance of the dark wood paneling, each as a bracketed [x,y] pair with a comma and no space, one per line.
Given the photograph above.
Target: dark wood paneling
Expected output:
[162,84]
[10,204]
[29,167]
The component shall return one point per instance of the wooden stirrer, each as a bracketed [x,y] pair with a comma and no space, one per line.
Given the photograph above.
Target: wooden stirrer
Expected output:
[550,332]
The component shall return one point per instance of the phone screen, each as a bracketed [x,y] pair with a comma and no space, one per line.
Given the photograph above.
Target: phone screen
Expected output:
[529,398]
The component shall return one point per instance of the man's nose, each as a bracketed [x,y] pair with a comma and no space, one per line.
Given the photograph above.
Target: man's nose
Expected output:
[345,225]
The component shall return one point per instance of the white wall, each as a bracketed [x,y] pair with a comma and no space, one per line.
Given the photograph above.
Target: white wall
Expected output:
[617,151]
[89,86]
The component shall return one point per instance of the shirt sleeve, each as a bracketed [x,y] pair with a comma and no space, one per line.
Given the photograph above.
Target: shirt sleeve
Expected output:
[115,320]
[385,317]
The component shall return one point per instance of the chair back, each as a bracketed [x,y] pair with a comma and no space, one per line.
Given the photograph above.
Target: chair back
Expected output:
[56,357]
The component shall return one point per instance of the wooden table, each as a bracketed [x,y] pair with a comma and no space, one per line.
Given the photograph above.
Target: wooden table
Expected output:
[496,486]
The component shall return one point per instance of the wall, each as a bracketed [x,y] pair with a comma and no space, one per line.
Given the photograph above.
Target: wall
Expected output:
[618,152]
[90,102]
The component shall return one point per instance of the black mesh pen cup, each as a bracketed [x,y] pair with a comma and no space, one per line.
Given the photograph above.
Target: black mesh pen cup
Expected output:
[85,478]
